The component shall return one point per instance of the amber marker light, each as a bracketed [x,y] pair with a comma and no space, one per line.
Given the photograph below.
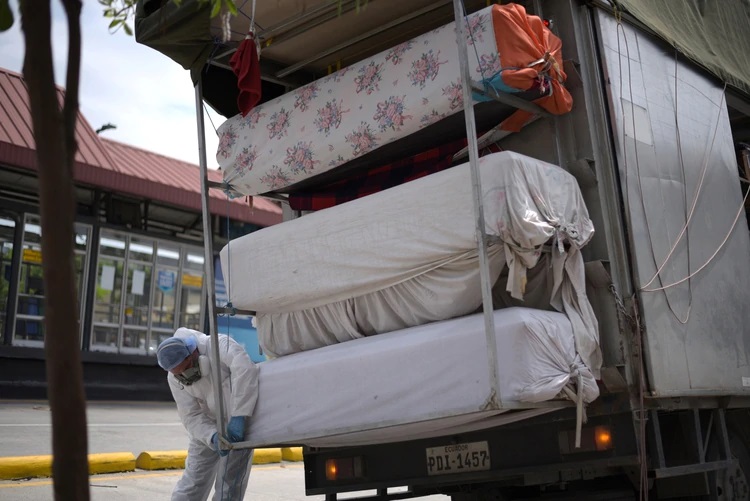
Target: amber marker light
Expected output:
[603,438]
[331,469]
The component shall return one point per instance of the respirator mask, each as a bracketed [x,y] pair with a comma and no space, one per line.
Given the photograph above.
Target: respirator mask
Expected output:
[191,374]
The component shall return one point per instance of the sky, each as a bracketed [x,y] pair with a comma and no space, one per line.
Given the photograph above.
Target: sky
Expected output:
[149,97]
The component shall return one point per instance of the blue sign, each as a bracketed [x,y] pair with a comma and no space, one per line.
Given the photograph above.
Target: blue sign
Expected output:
[165,280]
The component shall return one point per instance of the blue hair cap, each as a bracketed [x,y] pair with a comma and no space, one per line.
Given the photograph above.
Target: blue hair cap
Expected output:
[173,351]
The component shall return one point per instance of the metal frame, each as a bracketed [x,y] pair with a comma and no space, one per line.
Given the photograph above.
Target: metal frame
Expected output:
[699,444]
[208,255]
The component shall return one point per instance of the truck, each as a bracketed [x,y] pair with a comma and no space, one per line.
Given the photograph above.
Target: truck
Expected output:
[657,141]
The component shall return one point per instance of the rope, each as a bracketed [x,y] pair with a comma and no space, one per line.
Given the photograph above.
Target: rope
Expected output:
[726,239]
[577,397]
[690,214]
[210,119]
[643,473]
[620,28]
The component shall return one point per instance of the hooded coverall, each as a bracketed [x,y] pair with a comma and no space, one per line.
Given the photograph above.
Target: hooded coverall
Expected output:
[195,406]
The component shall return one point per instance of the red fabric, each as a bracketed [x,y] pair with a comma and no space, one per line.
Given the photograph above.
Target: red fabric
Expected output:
[382,178]
[522,40]
[246,66]
[378,179]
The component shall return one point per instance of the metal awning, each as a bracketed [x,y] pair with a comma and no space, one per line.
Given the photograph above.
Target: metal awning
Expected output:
[300,40]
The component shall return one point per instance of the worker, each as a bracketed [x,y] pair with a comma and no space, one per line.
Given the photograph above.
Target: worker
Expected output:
[185,356]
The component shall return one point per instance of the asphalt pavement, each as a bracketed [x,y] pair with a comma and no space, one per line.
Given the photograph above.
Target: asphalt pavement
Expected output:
[277,482]
[135,427]
[26,427]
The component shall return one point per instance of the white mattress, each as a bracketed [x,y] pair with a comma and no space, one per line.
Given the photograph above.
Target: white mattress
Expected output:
[356,110]
[407,256]
[424,381]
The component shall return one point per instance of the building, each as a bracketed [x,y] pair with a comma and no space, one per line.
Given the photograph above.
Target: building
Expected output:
[139,256]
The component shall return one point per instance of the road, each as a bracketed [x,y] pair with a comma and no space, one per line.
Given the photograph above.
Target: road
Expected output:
[25,429]
[275,482]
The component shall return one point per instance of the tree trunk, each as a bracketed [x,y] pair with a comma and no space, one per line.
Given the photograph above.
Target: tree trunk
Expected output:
[54,133]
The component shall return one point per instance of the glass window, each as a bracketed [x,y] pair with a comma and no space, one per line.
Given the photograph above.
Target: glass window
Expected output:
[141,250]
[7,229]
[30,304]
[194,261]
[138,294]
[108,290]
[29,329]
[105,338]
[145,289]
[156,338]
[112,244]
[81,238]
[80,259]
[168,255]
[191,304]
[165,298]
[135,339]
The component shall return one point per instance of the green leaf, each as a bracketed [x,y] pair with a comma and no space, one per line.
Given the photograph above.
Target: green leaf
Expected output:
[6,15]
[230,5]
[114,23]
[128,29]
[217,8]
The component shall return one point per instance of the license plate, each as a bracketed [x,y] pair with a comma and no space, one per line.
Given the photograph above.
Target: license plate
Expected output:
[458,458]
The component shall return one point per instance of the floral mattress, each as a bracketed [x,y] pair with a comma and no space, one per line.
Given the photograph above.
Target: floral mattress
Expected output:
[362,107]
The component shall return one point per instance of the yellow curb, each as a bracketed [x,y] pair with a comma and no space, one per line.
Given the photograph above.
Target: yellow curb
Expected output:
[161,460]
[164,460]
[111,462]
[265,456]
[25,466]
[41,466]
[291,453]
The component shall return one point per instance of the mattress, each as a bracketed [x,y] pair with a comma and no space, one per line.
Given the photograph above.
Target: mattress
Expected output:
[424,381]
[407,255]
[391,95]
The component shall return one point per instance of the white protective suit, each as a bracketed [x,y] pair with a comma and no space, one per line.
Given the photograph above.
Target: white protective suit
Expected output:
[196,404]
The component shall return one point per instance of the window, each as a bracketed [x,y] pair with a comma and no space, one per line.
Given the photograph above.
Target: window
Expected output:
[191,295]
[141,295]
[7,230]
[29,328]
[109,283]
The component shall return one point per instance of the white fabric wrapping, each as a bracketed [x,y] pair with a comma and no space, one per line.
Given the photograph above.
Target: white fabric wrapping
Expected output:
[371,382]
[409,235]
[356,110]
[451,290]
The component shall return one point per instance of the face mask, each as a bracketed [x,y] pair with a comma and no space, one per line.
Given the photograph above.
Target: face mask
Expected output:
[190,375]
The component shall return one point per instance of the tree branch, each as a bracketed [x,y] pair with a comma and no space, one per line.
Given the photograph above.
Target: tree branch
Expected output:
[57,209]
[72,79]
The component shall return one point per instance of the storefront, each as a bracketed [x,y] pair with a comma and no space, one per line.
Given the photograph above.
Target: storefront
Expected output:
[139,261]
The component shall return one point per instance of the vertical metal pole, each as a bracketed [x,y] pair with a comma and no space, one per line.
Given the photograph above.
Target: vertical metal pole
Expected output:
[484,269]
[209,261]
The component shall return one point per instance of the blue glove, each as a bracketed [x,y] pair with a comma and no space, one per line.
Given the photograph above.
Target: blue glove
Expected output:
[215,443]
[236,429]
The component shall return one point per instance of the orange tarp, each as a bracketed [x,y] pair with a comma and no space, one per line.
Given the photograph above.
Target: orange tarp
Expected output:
[529,51]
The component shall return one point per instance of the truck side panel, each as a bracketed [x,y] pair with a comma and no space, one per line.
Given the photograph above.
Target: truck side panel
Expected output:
[668,133]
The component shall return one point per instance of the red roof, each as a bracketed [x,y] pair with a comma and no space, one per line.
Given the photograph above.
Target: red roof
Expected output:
[116,166]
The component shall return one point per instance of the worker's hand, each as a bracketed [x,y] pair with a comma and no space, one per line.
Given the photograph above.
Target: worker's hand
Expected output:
[215,443]
[236,429]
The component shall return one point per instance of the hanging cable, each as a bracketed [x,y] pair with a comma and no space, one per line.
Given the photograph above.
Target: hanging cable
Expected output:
[726,239]
[699,188]
[640,412]
[210,119]
[621,29]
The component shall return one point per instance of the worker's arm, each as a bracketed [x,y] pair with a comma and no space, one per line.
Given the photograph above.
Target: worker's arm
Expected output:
[198,425]
[244,374]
